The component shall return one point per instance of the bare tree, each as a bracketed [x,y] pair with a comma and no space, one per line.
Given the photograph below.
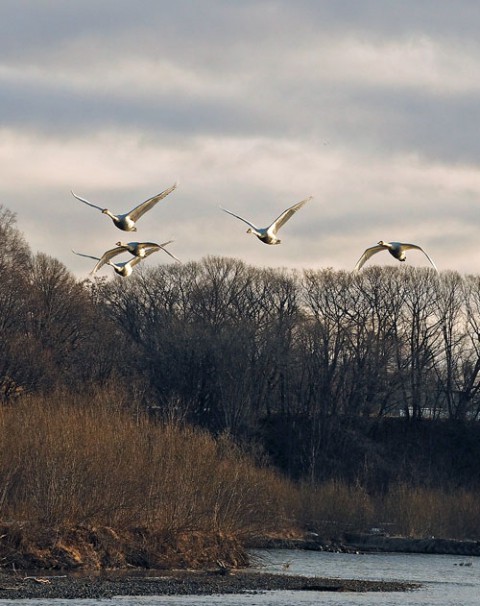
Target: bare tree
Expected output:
[418,340]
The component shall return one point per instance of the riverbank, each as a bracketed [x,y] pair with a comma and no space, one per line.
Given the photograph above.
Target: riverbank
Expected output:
[106,585]
[25,546]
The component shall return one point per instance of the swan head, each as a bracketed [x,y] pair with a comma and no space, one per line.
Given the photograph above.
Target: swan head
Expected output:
[383,243]
[249,230]
[120,243]
[105,211]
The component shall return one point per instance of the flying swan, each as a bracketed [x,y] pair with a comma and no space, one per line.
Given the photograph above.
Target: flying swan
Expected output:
[126,222]
[123,269]
[268,235]
[137,249]
[396,249]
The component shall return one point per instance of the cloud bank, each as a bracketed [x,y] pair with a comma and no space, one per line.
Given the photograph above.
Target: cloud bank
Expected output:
[370,107]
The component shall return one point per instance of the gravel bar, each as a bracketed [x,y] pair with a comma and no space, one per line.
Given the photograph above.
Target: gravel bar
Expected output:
[104,585]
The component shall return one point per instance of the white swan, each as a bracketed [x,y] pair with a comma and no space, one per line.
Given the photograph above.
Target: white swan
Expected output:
[126,222]
[268,235]
[123,269]
[138,249]
[396,249]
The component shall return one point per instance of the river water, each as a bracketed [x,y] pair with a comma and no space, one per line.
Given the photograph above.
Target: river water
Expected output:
[446,581]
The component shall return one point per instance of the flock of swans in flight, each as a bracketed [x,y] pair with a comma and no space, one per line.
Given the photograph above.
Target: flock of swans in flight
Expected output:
[267,235]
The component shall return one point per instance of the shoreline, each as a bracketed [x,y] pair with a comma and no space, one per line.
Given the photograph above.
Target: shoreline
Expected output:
[74,579]
[371,543]
[14,586]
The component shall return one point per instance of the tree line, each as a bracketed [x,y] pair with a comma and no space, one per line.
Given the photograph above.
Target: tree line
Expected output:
[227,343]
[277,358]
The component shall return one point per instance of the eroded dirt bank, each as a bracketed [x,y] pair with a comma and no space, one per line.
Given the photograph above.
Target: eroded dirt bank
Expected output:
[27,547]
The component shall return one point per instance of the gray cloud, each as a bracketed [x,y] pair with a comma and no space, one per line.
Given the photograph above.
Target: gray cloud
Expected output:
[370,106]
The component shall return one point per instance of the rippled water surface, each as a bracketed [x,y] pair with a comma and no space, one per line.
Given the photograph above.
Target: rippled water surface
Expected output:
[446,581]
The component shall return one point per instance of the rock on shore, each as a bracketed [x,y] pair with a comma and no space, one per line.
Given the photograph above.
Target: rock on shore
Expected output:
[104,585]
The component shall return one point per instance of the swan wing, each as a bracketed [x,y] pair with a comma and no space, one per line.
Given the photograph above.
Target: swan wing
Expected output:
[241,218]
[148,244]
[367,254]
[287,214]
[86,202]
[150,251]
[407,246]
[162,246]
[84,255]
[142,208]
[136,260]
[149,247]
[109,254]
[100,261]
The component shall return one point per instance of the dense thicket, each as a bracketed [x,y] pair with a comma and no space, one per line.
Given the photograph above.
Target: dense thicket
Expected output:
[370,376]
[62,464]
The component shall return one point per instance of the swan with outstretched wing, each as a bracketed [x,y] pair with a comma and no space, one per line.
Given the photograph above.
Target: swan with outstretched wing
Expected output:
[126,221]
[268,235]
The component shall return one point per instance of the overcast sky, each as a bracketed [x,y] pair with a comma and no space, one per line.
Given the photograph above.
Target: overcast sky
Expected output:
[370,106]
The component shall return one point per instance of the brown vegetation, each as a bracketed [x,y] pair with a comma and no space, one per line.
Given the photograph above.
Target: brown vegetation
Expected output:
[334,508]
[30,546]
[93,485]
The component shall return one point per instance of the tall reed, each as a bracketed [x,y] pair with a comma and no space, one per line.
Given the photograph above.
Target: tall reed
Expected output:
[334,507]
[84,463]
[421,512]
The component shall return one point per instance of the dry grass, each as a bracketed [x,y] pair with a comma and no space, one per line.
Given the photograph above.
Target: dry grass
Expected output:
[64,464]
[422,512]
[334,507]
